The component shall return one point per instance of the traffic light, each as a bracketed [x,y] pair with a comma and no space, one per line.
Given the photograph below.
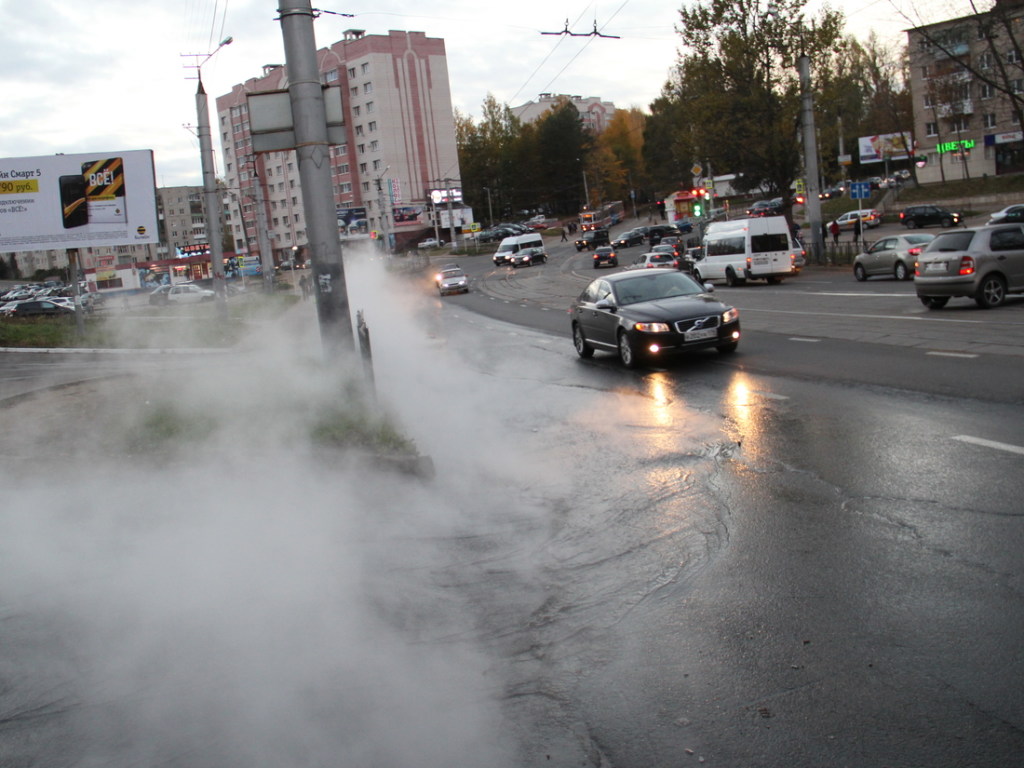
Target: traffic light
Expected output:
[698,209]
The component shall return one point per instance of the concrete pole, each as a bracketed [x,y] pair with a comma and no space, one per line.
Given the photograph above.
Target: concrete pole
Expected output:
[211,198]
[313,152]
[451,217]
[262,238]
[813,204]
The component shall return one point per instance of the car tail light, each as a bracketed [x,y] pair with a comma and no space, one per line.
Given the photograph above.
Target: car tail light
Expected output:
[915,252]
[750,262]
[902,215]
[967,265]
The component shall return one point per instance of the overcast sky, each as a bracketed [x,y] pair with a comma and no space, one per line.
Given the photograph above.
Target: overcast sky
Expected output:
[114,74]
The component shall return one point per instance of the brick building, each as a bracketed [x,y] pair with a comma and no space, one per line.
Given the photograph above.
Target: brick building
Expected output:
[965,123]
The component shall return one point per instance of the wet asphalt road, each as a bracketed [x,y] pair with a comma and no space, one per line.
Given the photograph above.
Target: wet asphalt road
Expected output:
[782,557]
[760,560]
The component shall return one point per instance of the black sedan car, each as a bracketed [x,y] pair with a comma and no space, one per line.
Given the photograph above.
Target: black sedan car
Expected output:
[648,314]
[591,239]
[635,236]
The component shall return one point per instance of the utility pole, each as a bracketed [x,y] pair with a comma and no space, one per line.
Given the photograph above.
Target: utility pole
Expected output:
[262,239]
[813,203]
[451,218]
[382,216]
[490,211]
[211,195]
[313,151]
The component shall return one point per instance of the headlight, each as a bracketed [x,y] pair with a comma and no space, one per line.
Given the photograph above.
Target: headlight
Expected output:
[651,327]
[730,316]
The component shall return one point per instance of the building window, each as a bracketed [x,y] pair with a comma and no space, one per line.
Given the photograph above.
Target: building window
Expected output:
[361,149]
[989,120]
[1017,86]
[366,186]
[959,124]
[986,91]
[359,130]
[376,165]
[365,67]
[362,168]
[331,77]
[1012,56]
[929,102]
[931,129]
[369,106]
[374,145]
[926,72]
[372,126]
[354,90]
[343,168]
[985,60]
[345,187]
[351,71]
[367,87]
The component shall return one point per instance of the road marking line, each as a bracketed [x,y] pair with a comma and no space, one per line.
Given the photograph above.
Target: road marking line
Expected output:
[951,354]
[918,318]
[990,444]
[809,341]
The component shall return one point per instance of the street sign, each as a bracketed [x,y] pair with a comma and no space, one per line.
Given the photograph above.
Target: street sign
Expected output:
[860,190]
[696,170]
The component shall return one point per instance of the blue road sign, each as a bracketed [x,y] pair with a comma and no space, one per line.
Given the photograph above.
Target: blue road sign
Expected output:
[860,190]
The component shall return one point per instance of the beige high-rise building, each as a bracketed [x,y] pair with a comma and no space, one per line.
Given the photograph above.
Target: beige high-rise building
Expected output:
[400,144]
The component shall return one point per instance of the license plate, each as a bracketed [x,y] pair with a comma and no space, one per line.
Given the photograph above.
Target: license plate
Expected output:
[702,333]
[935,266]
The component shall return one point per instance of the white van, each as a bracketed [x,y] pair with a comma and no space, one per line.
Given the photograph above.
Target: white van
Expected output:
[747,249]
[514,244]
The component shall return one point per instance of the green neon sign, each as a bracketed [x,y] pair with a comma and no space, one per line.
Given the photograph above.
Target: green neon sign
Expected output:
[954,146]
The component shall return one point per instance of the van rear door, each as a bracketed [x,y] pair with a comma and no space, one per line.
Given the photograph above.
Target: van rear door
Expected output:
[771,256]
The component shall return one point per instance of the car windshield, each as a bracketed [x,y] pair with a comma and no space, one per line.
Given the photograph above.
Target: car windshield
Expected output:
[450,273]
[951,241]
[651,287]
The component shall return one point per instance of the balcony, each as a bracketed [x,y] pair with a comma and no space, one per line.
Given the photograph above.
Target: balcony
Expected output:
[965,107]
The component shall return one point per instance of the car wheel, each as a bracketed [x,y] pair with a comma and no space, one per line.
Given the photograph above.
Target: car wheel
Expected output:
[730,278]
[901,272]
[583,348]
[934,302]
[911,224]
[696,276]
[727,349]
[947,222]
[627,354]
[991,293]
[859,273]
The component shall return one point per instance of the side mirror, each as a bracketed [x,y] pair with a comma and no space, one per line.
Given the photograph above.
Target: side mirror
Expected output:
[605,304]
[709,288]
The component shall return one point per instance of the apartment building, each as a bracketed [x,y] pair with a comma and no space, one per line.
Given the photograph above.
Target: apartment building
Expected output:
[595,113]
[967,85]
[400,144]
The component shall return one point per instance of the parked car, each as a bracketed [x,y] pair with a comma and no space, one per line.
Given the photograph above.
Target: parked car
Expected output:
[771,207]
[985,264]
[653,260]
[183,293]
[631,237]
[452,280]
[38,308]
[830,193]
[892,256]
[605,255]
[648,314]
[527,257]
[923,215]
[869,218]
[430,242]
[591,239]
[1008,214]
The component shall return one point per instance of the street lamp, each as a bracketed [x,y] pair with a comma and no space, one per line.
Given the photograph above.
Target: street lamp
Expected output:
[210,195]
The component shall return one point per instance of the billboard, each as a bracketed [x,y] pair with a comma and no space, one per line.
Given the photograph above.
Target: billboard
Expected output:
[352,221]
[77,201]
[892,146]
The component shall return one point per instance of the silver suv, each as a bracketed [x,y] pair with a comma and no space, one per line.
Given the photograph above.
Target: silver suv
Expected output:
[985,264]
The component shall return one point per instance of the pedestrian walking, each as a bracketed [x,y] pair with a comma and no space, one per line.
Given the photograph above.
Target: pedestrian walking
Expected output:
[564,238]
[834,229]
[856,230]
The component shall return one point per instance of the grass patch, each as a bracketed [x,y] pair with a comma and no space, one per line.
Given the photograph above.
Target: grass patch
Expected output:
[365,429]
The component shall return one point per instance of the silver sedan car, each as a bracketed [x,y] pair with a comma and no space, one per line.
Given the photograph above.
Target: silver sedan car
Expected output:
[892,256]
